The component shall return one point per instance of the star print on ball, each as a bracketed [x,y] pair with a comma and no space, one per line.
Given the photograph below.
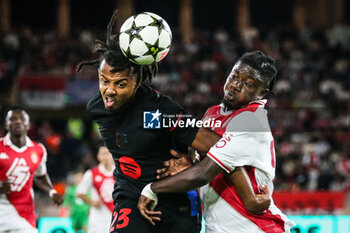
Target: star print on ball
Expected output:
[145,38]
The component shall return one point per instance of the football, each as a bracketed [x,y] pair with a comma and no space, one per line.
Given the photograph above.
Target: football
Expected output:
[145,38]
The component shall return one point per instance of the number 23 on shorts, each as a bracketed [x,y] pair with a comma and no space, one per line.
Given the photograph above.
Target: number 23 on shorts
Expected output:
[121,219]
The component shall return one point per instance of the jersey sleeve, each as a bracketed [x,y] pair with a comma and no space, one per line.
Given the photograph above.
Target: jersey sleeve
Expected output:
[184,129]
[234,150]
[239,144]
[85,184]
[41,170]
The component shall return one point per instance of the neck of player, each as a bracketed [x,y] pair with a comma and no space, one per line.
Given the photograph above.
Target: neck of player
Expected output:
[18,140]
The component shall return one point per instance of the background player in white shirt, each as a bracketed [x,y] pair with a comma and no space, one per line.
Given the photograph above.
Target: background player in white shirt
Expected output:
[99,182]
[21,161]
[246,141]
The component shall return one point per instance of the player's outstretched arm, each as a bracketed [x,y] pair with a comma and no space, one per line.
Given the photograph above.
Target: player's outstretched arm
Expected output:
[204,140]
[44,183]
[195,177]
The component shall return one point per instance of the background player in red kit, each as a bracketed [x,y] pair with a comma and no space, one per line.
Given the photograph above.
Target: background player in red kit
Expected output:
[99,182]
[21,161]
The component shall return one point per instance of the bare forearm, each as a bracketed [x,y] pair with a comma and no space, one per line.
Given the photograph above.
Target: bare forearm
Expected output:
[190,179]
[255,203]
[205,139]
[85,198]
[44,183]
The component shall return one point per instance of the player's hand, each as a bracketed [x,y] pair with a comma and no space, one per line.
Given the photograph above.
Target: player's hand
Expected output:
[145,207]
[5,187]
[57,199]
[174,166]
[263,198]
[96,204]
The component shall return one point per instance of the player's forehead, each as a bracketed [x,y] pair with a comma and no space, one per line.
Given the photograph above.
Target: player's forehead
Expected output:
[243,69]
[105,71]
[16,113]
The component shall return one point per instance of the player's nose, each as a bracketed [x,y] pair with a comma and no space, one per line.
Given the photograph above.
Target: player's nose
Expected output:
[110,91]
[236,85]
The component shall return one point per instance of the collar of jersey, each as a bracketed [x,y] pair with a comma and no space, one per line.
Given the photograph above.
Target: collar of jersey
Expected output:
[104,170]
[8,142]
[225,113]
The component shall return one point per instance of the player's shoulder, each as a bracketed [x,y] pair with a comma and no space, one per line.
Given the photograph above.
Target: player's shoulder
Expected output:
[213,110]
[152,98]
[252,118]
[38,146]
[95,105]
[147,93]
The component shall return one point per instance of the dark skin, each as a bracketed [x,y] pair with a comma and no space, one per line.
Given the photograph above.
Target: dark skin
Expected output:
[240,89]
[17,123]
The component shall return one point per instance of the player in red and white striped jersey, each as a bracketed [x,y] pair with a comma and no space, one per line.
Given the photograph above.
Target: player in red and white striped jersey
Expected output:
[246,142]
[99,182]
[21,161]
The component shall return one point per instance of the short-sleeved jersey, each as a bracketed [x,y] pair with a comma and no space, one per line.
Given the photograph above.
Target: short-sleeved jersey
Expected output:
[19,166]
[139,152]
[246,141]
[99,183]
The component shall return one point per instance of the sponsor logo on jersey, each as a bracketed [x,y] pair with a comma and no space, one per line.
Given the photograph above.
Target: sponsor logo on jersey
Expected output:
[130,167]
[151,119]
[18,174]
[106,190]
[3,156]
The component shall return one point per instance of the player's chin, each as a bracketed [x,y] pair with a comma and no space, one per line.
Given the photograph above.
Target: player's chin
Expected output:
[229,104]
[113,107]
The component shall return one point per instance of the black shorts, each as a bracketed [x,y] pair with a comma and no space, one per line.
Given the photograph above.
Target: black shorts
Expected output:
[126,218]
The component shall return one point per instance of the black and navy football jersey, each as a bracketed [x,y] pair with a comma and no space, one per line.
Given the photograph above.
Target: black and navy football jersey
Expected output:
[138,141]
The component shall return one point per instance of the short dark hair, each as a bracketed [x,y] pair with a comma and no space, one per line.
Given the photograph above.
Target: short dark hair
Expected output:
[111,52]
[13,108]
[265,65]
[16,107]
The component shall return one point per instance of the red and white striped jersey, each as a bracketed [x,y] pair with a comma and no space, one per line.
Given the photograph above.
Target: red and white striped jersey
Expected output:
[246,141]
[99,182]
[19,166]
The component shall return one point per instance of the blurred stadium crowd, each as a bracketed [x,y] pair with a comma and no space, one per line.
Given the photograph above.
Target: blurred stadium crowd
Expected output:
[309,114]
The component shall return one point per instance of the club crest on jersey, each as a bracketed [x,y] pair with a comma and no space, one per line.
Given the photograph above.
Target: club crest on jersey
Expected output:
[3,156]
[151,119]
[34,157]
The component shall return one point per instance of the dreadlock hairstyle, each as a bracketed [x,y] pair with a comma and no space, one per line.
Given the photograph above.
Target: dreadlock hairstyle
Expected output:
[111,52]
[265,65]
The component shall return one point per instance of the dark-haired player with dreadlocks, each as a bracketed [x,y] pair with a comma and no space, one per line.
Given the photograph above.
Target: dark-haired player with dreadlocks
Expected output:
[246,141]
[139,153]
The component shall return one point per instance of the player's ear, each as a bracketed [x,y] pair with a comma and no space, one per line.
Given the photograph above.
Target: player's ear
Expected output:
[262,93]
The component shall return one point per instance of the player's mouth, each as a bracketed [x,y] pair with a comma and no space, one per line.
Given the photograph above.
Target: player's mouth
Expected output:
[109,102]
[230,96]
